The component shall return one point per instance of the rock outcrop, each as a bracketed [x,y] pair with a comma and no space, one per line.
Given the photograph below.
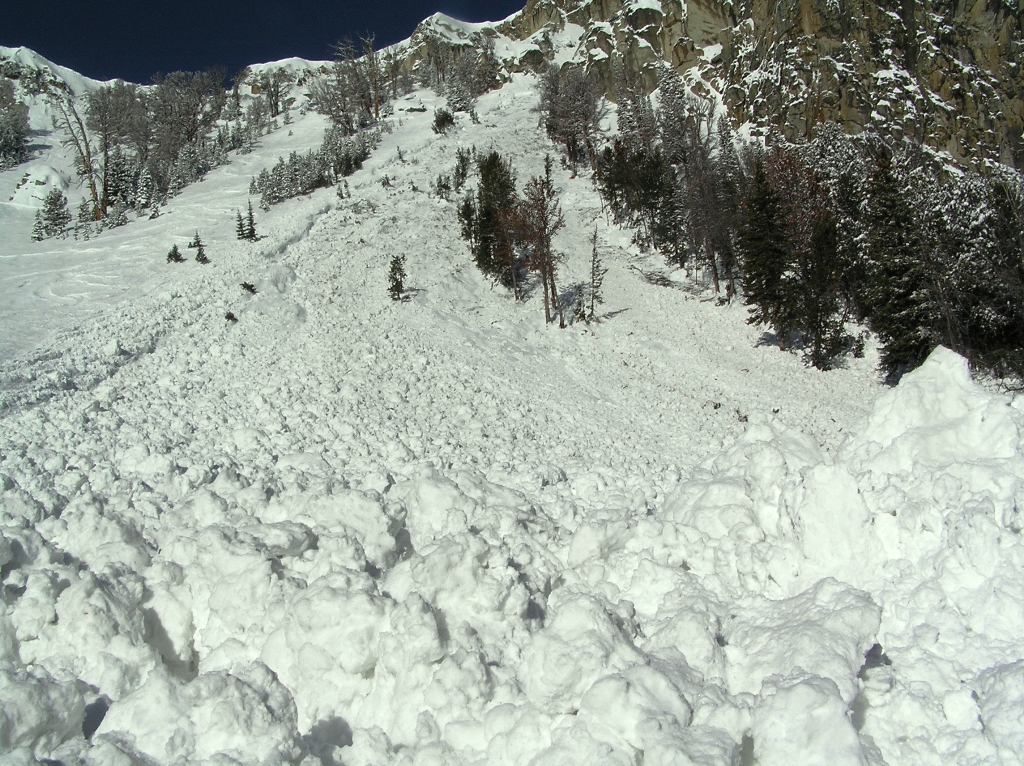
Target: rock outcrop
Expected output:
[946,74]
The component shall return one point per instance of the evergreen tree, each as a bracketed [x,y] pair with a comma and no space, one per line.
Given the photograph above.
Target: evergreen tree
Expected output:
[250,225]
[174,256]
[396,278]
[38,228]
[597,272]
[766,258]
[496,198]
[55,213]
[539,219]
[572,104]
[239,226]
[896,297]
[201,256]
[14,129]
[117,215]
[821,314]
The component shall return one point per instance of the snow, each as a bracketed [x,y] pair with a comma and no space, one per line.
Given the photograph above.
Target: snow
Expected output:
[348,530]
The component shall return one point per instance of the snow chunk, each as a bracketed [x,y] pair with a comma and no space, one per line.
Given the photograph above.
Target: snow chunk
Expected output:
[805,722]
[37,711]
[247,715]
[1002,706]
[580,644]
[935,416]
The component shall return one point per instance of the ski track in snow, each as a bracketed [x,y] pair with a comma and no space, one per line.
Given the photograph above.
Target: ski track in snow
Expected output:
[349,530]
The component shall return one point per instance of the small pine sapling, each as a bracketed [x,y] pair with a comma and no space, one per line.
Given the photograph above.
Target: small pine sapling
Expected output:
[597,272]
[195,242]
[250,225]
[463,157]
[201,252]
[239,226]
[174,256]
[38,228]
[396,278]
[443,188]
[249,287]
[230,317]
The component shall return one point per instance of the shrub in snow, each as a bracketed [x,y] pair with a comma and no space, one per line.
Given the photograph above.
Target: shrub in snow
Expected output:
[444,121]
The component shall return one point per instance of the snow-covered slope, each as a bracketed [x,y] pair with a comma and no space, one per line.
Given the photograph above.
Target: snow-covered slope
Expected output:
[349,530]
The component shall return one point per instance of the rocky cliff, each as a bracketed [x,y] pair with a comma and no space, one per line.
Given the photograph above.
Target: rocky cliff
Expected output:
[947,74]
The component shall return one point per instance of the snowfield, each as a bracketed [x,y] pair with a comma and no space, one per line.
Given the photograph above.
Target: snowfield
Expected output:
[345,530]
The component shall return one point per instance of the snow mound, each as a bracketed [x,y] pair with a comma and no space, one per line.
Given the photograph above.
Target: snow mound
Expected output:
[36,182]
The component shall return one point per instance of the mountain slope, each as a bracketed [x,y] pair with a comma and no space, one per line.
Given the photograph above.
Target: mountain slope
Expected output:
[439,531]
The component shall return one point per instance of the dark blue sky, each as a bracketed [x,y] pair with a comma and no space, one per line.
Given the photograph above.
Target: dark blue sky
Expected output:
[134,41]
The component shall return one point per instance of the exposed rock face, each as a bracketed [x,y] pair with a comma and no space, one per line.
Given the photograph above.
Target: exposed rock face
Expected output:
[946,73]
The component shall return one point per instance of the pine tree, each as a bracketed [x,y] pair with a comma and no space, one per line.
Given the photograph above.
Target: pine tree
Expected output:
[250,225]
[540,218]
[496,198]
[38,228]
[174,256]
[896,296]
[396,277]
[55,213]
[117,215]
[766,258]
[821,314]
[240,232]
[200,251]
[597,272]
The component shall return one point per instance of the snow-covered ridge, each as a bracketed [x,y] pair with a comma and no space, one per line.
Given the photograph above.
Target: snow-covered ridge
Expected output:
[26,57]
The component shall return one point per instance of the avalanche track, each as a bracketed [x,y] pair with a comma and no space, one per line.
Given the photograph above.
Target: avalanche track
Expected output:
[346,530]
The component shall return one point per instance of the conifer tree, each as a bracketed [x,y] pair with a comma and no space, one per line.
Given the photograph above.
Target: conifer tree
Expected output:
[821,313]
[766,258]
[201,256]
[250,225]
[597,272]
[38,228]
[896,296]
[540,218]
[174,256]
[396,278]
[496,198]
[55,213]
[240,232]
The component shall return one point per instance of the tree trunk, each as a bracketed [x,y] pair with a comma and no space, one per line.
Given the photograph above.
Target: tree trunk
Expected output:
[80,140]
[544,289]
